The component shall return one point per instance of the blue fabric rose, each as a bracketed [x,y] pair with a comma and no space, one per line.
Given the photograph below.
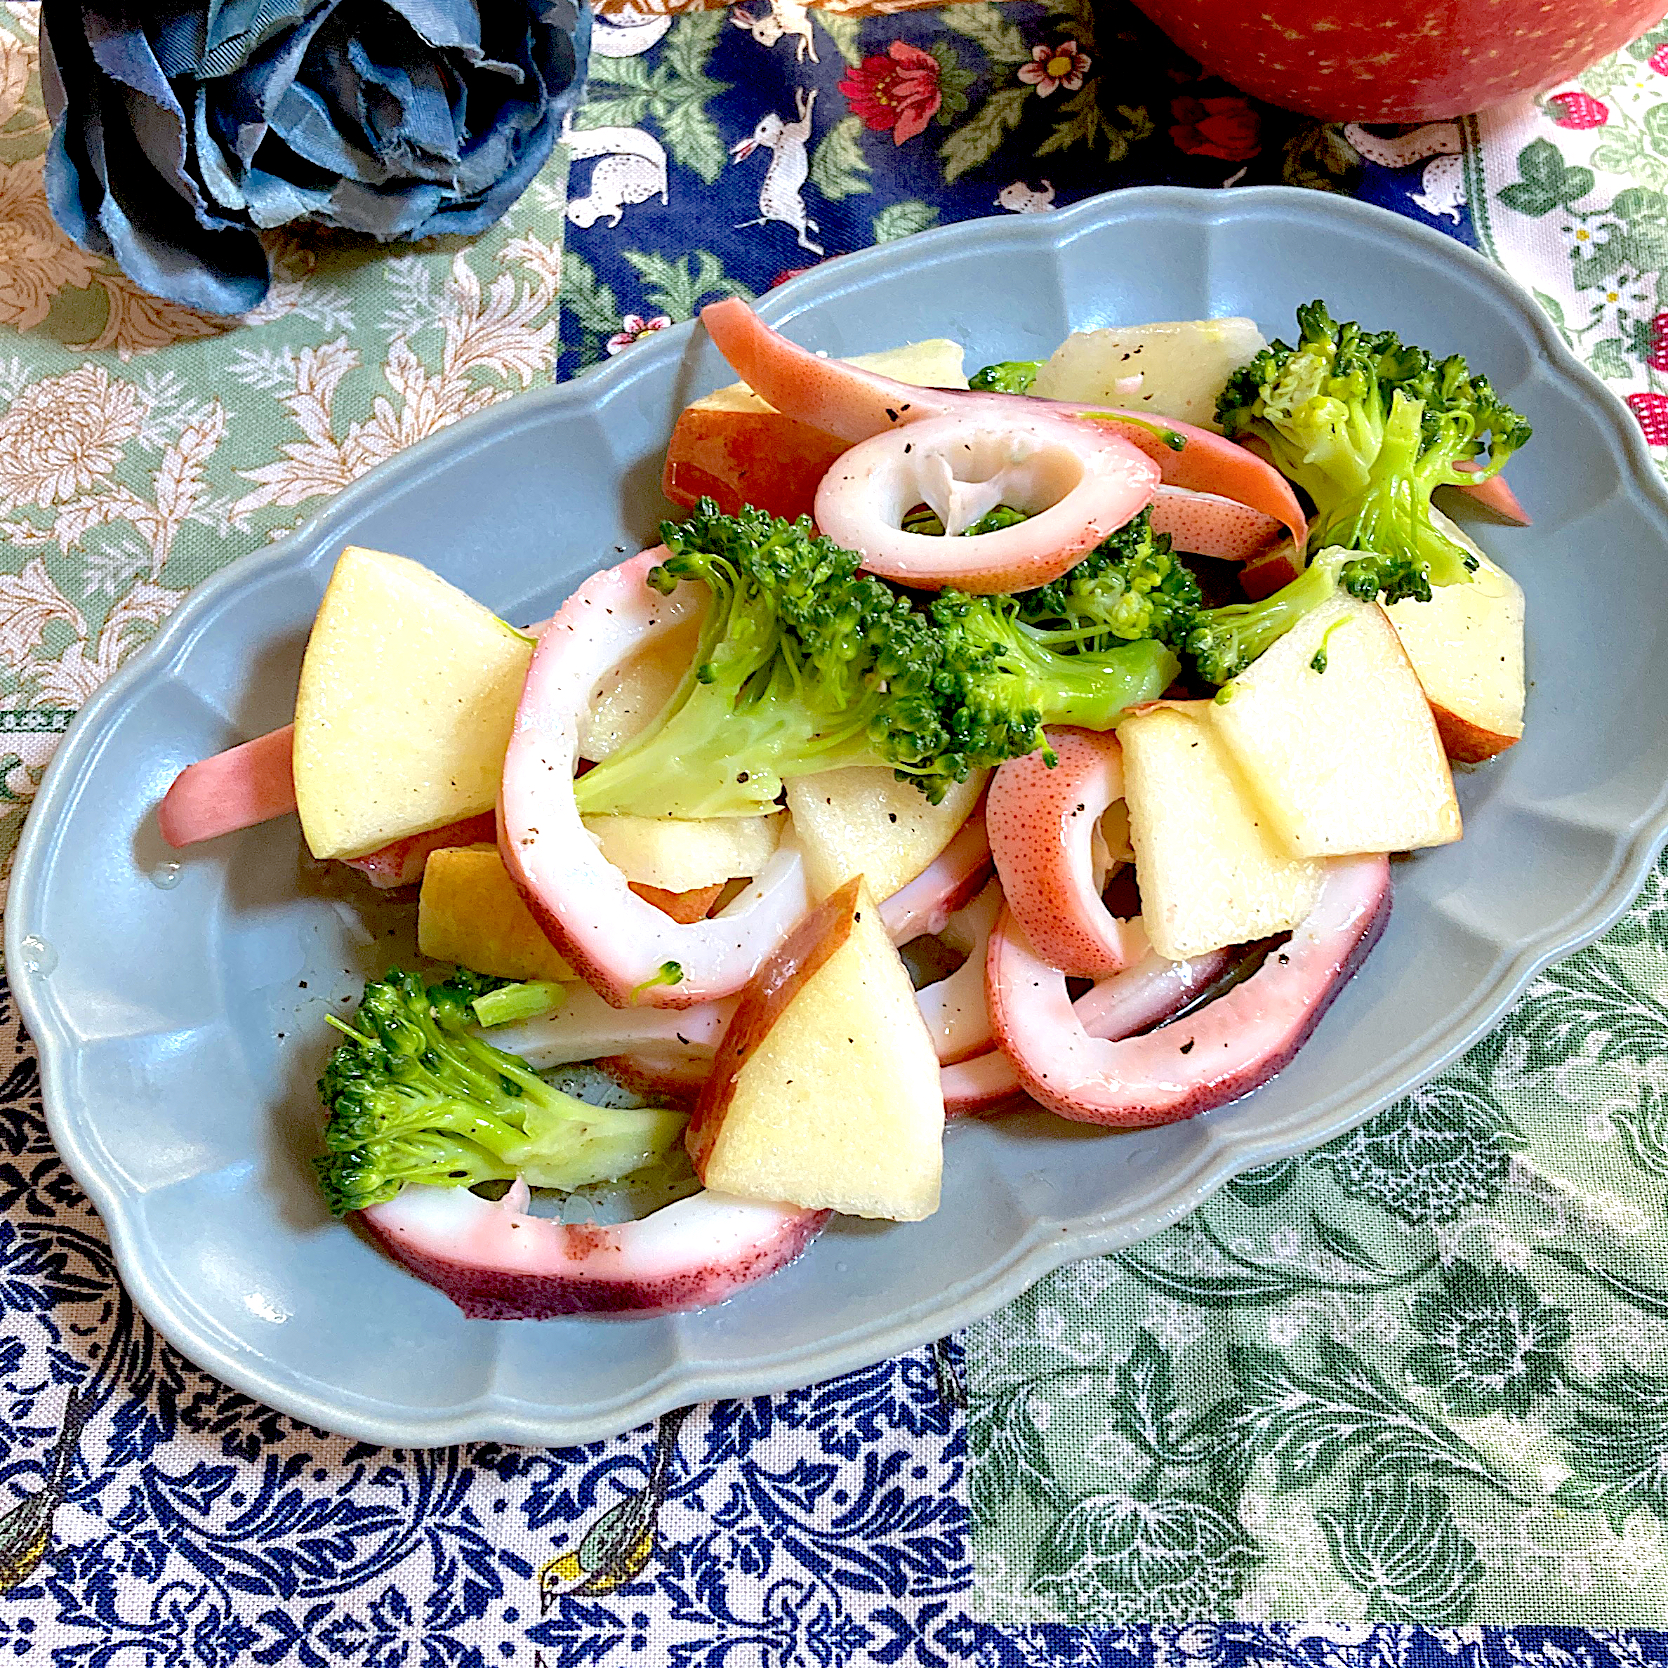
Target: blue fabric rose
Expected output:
[181,131]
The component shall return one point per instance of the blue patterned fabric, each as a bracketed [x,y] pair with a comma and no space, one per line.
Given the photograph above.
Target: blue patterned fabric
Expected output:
[673,113]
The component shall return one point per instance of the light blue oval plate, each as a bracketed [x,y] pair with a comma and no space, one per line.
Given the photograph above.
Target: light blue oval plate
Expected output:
[181,1025]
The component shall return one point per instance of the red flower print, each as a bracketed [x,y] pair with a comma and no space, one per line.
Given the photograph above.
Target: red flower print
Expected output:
[1652,412]
[633,327]
[1053,67]
[1577,110]
[899,91]
[1657,358]
[1659,60]
[1222,127]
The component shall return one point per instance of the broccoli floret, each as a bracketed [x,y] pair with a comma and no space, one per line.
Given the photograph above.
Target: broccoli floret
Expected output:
[414,1095]
[1369,427]
[1222,642]
[1130,586]
[1010,376]
[803,665]
[1004,679]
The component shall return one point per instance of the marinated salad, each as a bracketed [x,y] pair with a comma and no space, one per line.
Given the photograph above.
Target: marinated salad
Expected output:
[1034,740]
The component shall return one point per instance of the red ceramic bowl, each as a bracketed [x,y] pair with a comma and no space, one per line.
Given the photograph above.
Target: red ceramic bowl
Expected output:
[1398,60]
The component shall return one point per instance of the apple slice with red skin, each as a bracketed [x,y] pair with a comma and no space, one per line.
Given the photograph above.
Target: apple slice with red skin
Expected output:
[401,862]
[1141,996]
[496,1262]
[1224,1050]
[1492,496]
[1041,820]
[819,934]
[747,457]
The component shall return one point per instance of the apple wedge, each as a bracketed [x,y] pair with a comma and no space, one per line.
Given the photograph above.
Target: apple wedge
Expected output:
[408,690]
[1345,760]
[733,447]
[1211,872]
[469,912]
[676,854]
[863,821]
[1182,366]
[1466,645]
[825,1091]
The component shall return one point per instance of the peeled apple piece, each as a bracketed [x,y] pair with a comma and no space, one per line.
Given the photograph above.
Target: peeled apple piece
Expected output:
[1210,869]
[1347,759]
[679,855]
[408,689]
[861,820]
[1182,366]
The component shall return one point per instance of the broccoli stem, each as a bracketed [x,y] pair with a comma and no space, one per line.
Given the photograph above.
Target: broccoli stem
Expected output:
[1226,640]
[510,1004]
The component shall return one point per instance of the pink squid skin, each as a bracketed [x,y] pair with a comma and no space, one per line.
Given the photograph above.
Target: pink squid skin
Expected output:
[1144,995]
[947,884]
[1224,1050]
[954,1007]
[1083,483]
[853,404]
[237,789]
[1042,820]
[1203,524]
[498,1263]
[615,940]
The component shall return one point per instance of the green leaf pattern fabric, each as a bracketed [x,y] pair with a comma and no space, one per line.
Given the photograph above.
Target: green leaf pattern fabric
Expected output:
[1419,1375]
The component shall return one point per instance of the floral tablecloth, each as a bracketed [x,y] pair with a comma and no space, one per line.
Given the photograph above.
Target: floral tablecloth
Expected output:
[1368,1406]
